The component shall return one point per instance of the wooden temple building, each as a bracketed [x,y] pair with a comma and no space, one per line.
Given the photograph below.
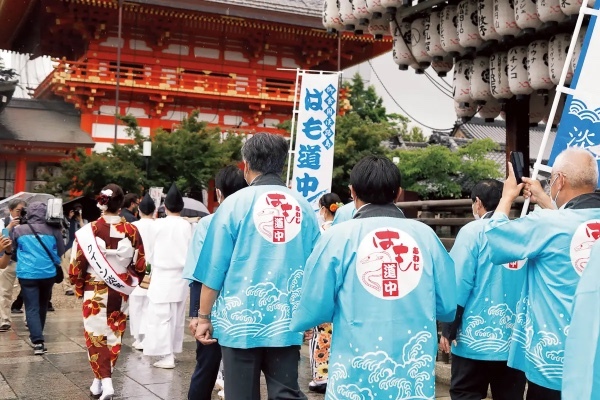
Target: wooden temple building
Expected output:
[233,60]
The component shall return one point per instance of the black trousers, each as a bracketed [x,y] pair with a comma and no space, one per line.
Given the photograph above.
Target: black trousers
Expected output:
[279,364]
[537,392]
[471,378]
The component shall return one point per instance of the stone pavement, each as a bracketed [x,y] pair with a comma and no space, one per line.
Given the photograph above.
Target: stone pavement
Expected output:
[64,373]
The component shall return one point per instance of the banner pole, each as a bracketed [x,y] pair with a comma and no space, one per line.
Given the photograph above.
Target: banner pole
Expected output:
[557,96]
[293,127]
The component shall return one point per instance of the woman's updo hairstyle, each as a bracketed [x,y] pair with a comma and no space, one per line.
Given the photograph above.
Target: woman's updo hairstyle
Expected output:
[111,198]
[331,202]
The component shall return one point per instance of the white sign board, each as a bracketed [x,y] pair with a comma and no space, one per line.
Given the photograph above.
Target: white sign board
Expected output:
[315,136]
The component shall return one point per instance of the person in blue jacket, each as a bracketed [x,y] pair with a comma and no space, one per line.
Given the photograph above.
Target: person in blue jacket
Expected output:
[557,245]
[36,268]
[487,300]
[383,281]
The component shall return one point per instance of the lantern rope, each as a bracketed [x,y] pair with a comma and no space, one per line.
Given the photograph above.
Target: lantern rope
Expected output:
[444,91]
[399,106]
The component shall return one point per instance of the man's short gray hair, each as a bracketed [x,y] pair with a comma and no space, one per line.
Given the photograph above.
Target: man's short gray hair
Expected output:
[579,166]
[265,153]
[16,203]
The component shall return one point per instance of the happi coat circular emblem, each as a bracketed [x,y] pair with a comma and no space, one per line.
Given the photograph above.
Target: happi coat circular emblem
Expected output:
[581,244]
[277,217]
[515,265]
[389,263]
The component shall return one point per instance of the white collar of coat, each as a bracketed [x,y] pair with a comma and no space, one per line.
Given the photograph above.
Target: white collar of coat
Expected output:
[363,206]
[112,219]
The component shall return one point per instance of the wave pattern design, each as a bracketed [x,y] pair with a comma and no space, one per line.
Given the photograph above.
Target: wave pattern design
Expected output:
[376,375]
[581,111]
[490,332]
[270,316]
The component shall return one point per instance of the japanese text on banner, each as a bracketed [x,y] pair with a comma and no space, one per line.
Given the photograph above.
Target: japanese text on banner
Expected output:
[315,137]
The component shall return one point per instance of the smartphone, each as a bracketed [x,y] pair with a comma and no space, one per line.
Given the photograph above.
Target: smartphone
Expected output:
[5,232]
[518,164]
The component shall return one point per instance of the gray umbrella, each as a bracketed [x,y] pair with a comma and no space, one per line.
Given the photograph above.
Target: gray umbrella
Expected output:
[26,197]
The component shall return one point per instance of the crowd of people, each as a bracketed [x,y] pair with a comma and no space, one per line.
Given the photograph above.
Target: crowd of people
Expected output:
[518,299]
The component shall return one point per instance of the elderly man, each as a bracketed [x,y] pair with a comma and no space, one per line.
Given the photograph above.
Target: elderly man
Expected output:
[383,281]
[557,245]
[253,260]
[9,275]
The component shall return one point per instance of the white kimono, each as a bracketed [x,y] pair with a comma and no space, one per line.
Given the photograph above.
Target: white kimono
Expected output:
[168,290]
[138,302]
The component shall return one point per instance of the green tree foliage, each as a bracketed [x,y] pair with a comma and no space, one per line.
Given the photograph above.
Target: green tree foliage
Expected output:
[6,74]
[190,156]
[436,172]
[364,101]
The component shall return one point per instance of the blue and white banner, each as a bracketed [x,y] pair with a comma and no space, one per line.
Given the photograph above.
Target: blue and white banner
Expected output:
[315,136]
[580,122]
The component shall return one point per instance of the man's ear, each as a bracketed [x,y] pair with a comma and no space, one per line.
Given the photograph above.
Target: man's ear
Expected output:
[352,193]
[399,196]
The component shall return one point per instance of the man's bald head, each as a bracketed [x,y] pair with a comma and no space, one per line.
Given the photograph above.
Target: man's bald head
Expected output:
[579,168]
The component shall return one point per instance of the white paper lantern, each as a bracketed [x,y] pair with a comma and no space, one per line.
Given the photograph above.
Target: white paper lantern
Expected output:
[443,66]
[417,42]
[504,18]
[537,108]
[347,15]
[518,79]
[480,80]
[557,57]
[392,5]
[549,11]
[526,15]
[490,110]
[433,39]
[485,20]
[401,48]
[572,7]
[468,24]
[449,31]
[331,16]
[361,12]
[375,8]
[464,111]
[537,66]
[499,87]
[461,83]
[379,27]
[577,48]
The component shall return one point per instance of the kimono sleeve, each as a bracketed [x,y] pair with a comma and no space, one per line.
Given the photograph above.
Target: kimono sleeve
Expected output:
[216,254]
[138,264]
[465,254]
[320,285]
[444,281]
[581,378]
[518,239]
[77,268]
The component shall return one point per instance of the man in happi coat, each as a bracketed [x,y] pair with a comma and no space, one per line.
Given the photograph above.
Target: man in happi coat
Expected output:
[556,244]
[345,213]
[168,290]
[138,300]
[208,357]
[382,280]
[487,299]
[105,286]
[581,378]
[252,264]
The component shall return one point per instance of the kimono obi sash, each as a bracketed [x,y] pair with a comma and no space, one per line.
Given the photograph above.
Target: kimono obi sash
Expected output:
[108,264]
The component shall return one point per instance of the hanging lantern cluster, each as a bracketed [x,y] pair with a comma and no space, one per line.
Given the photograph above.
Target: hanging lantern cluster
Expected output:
[462,35]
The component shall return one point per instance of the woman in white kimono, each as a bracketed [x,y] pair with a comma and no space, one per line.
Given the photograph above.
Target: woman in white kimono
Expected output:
[168,290]
[138,300]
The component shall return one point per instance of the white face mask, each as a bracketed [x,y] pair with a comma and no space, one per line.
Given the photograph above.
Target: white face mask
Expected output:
[554,205]
[475,215]
[320,217]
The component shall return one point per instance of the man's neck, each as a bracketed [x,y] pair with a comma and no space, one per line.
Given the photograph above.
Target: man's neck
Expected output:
[573,193]
[252,176]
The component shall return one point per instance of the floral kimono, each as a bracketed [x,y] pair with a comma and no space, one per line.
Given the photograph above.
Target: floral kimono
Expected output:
[104,317]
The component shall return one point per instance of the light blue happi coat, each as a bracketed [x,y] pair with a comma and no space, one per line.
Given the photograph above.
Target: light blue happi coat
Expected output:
[383,282]
[195,246]
[489,293]
[581,380]
[345,213]
[254,253]
[557,245]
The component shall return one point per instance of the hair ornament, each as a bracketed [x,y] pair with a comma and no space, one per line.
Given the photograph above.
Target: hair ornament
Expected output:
[103,199]
[335,206]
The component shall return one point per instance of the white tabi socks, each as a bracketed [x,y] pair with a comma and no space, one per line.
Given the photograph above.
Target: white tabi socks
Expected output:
[96,388]
[107,389]
[166,362]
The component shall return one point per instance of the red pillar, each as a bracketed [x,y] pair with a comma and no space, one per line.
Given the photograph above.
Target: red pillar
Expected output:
[20,175]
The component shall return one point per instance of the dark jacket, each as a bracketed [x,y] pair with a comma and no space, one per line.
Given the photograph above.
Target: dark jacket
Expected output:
[33,261]
[128,215]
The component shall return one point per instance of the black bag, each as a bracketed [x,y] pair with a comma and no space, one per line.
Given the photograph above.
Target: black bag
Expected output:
[60,276]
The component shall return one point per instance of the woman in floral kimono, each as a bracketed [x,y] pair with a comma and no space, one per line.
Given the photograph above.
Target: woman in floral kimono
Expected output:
[107,263]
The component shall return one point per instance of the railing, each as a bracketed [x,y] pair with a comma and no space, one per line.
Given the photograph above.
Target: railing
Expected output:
[175,80]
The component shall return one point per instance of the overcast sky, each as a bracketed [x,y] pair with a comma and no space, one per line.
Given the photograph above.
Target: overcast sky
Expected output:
[414,93]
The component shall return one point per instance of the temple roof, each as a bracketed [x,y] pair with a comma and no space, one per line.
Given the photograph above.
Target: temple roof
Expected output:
[304,7]
[51,123]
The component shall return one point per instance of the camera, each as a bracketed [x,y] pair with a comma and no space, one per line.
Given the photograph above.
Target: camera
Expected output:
[22,217]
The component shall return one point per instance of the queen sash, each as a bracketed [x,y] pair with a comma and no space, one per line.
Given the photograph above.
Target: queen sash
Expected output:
[97,260]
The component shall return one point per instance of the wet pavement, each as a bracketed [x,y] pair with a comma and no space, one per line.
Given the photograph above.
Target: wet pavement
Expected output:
[64,373]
